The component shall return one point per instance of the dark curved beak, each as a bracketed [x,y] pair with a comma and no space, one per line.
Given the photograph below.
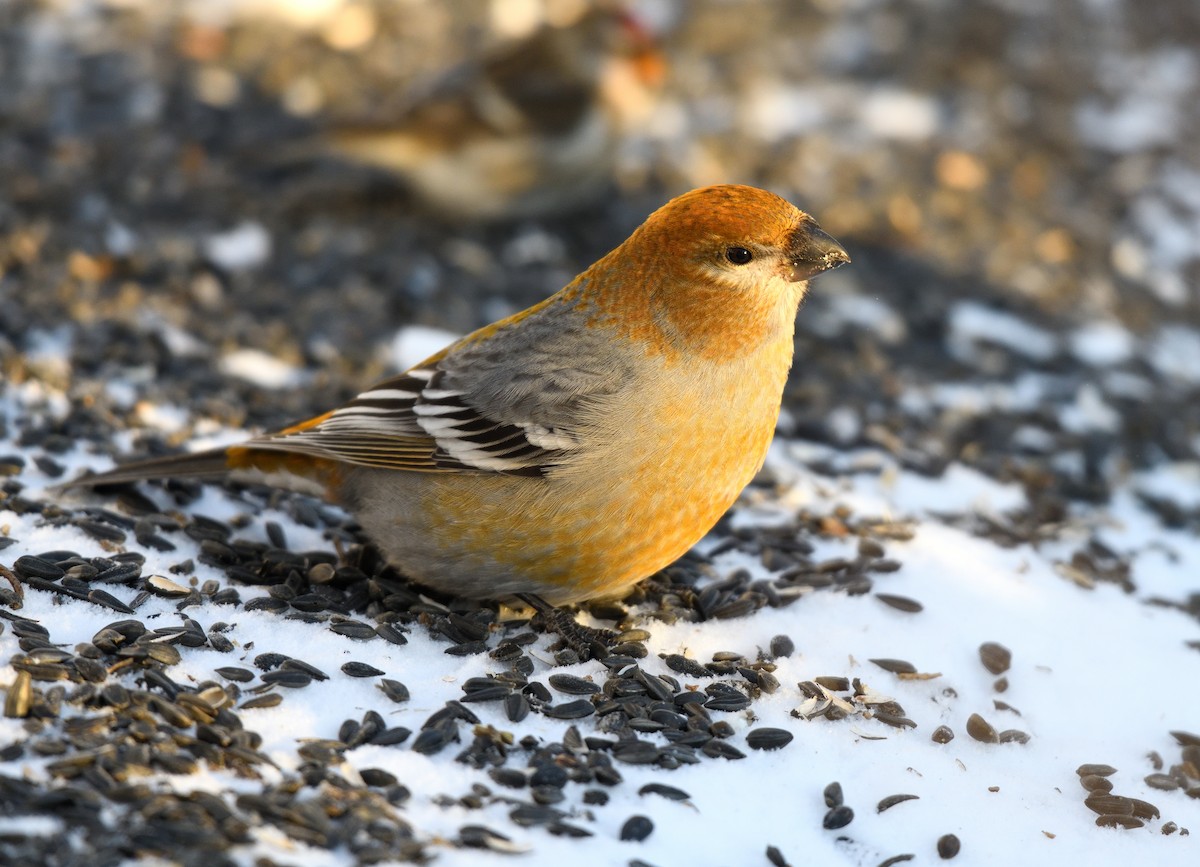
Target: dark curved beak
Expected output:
[812,251]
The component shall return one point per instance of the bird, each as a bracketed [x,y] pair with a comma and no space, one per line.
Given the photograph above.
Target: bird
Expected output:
[528,130]
[570,450]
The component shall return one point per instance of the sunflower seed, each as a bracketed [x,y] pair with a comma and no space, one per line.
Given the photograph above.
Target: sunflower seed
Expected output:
[896,666]
[838,817]
[996,658]
[981,730]
[361,669]
[636,828]
[1119,821]
[766,738]
[1095,770]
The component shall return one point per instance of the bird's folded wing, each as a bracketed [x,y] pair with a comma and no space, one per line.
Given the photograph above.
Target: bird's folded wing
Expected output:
[511,399]
[410,423]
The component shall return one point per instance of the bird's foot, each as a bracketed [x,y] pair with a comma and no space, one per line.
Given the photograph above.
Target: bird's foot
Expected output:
[587,642]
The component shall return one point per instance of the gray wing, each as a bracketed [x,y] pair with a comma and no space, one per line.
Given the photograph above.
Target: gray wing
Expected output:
[511,405]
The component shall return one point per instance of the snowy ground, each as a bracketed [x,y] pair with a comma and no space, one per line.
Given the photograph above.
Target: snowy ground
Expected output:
[1097,676]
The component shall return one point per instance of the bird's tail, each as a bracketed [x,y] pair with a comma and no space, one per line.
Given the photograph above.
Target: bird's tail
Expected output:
[213,464]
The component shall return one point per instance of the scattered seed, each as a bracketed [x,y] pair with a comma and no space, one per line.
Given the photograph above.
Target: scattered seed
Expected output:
[981,730]
[164,586]
[896,666]
[394,690]
[287,679]
[1014,736]
[900,603]
[572,685]
[782,646]
[570,710]
[838,817]
[269,699]
[1186,739]
[1095,783]
[1096,770]
[892,800]
[669,792]
[1109,804]
[766,738]
[833,795]
[1162,782]
[776,857]
[948,846]
[1119,821]
[996,658]
[355,629]
[636,829]
[361,669]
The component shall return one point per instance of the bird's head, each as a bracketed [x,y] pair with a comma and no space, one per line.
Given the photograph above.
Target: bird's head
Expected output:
[724,268]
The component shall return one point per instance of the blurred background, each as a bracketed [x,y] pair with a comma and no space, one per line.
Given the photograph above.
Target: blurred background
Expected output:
[232,208]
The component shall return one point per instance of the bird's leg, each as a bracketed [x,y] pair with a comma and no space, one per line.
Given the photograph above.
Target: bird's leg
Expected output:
[588,642]
[18,590]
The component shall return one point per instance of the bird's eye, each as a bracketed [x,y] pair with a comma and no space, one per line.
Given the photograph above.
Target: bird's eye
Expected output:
[738,255]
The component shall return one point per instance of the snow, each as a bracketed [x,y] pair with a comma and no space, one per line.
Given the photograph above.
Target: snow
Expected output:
[1102,344]
[261,369]
[899,114]
[415,343]
[1175,352]
[245,246]
[972,323]
[1097,676]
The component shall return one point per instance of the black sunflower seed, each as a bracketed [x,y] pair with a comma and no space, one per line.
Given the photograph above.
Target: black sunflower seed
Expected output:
[570,710]
[838,817]
[896,666]
[361,669]
[288,679]
[948,846]
[394,690]
[833,795]
[766,738]
[305,667]
[573,685]
[636,828]
[269,699]
[900,603]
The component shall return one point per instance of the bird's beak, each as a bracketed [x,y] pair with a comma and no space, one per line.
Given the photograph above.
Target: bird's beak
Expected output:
[811,252]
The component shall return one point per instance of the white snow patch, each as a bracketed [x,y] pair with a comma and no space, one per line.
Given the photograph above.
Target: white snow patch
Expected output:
[838,311]
[414,343]
[1102,344]
[1178,482]
[771,111]
[899,114]
[265,371]
[1146,112]
[1175,352]
[971,323]
[245,246]
[1089,412]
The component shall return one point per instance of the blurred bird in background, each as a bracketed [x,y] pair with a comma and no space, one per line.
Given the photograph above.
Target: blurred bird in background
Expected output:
[529,129]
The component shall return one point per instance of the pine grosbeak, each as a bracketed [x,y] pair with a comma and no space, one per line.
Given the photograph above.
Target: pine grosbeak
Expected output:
[577,447]
[529,130]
